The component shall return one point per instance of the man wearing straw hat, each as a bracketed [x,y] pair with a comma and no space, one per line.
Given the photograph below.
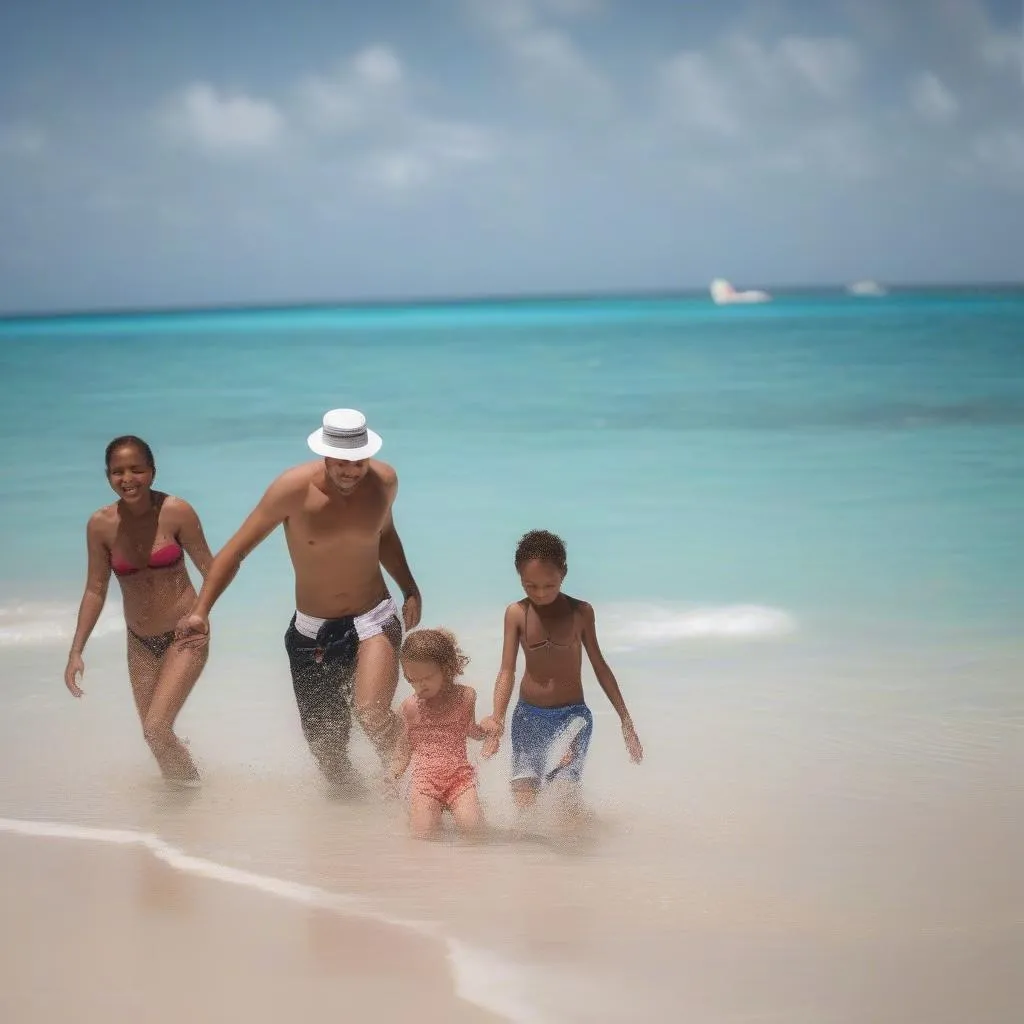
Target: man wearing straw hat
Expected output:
[343,639]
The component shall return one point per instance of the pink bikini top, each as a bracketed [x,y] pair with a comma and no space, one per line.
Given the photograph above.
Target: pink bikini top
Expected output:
[162,558]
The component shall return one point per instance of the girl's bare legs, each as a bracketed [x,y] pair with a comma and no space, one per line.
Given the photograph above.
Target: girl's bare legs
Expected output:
[424,816]
[468,815]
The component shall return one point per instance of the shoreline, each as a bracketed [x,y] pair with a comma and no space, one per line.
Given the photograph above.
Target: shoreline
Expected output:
[116,902]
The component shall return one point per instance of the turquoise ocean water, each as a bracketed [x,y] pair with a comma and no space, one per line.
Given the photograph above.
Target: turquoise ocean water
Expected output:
[823,495]
[846,460]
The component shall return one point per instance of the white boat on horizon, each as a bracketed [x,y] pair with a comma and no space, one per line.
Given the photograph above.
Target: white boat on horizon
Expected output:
[871,289]
[724,294]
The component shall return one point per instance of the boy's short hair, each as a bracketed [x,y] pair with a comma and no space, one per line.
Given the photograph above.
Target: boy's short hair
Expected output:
[542,546]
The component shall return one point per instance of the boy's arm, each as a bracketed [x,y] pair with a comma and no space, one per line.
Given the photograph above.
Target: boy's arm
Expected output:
[607,679]
[506,679]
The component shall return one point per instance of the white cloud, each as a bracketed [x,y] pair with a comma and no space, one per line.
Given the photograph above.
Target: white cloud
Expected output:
[698,95]
[369,106]
[829,66]
[397,172]
[740,106]
[219,122]
[931,99]
[740,84]
[425,152]
[368,88]
[555,71]
[365,117]
[551,67]
[378,66]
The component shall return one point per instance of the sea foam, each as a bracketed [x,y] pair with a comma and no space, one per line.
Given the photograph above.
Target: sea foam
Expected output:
[33,623]
[628,627]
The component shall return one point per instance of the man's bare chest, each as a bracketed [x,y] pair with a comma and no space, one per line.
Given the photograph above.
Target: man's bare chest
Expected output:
[321,524]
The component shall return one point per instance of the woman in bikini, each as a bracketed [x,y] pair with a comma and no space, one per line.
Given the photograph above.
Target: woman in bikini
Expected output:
[142,538]
[553,630]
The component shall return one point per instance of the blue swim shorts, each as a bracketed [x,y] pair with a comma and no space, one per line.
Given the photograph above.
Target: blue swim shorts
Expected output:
[539,741]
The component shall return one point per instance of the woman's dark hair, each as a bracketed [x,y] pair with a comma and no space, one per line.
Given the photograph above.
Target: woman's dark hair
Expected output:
[542,546]
[130,441]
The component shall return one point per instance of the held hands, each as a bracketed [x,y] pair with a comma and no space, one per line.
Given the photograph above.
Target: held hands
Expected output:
[492,742]
[73,673]
[192,631]
[636,752]
[388,784]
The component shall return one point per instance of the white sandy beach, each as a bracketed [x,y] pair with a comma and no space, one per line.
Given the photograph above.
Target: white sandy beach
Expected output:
[770,861]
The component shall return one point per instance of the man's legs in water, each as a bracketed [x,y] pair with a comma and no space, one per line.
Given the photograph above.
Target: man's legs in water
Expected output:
[322,678]
[376,680]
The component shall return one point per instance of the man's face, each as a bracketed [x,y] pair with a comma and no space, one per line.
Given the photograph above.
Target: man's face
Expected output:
[345,476]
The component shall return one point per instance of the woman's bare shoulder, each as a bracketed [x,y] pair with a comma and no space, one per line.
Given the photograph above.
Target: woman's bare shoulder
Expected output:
[103,520]
[177,510]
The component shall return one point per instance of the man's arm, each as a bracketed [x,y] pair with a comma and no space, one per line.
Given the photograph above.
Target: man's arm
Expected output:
[271,511]
[392,556]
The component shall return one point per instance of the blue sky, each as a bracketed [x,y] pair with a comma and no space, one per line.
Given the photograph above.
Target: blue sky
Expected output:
[222,152]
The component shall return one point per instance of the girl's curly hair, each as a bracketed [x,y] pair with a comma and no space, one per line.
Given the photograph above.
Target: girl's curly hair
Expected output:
[439,646]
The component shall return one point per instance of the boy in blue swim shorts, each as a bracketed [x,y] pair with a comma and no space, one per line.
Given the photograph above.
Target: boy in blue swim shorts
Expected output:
[551,724]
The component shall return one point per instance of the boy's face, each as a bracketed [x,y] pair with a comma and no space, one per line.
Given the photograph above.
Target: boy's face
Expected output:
[425,677]
[542,581]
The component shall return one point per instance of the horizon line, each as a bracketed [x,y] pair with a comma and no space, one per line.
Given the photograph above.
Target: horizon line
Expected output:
[481,299]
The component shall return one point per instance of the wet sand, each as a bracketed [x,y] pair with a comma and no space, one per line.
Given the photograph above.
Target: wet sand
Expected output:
[97,934]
